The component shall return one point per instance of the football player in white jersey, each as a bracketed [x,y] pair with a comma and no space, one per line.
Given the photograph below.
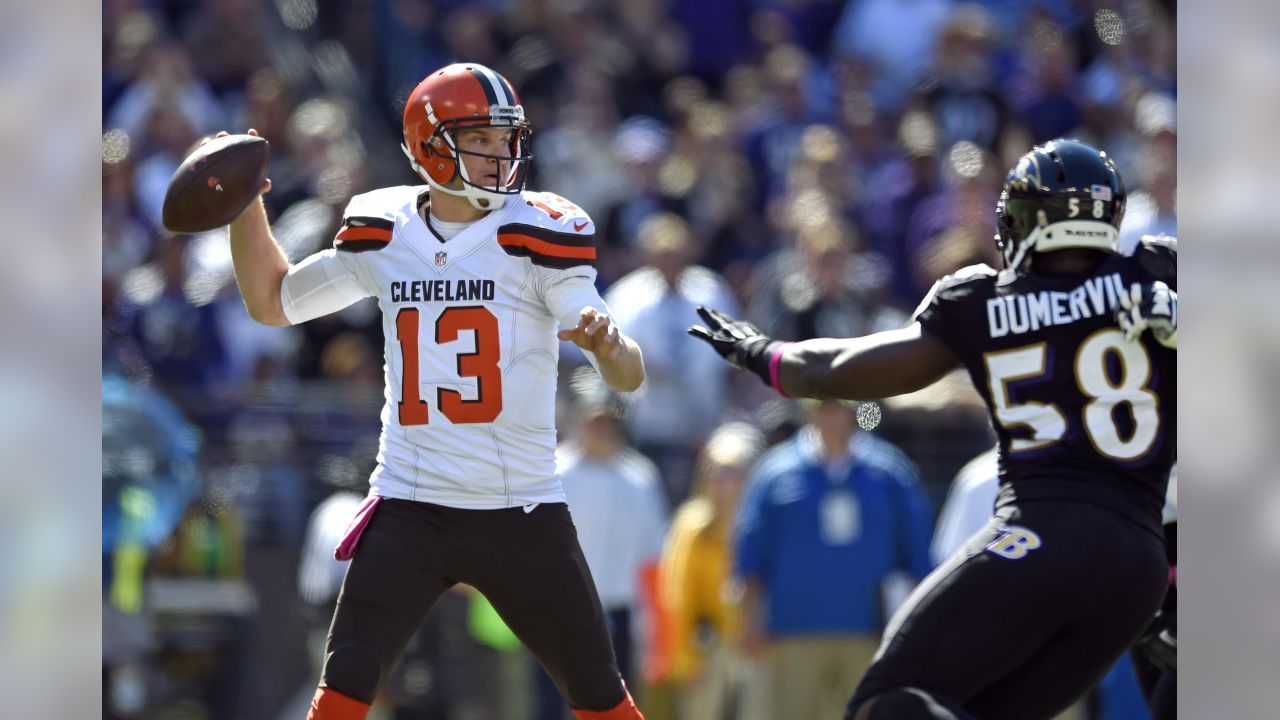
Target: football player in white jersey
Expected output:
[478,280]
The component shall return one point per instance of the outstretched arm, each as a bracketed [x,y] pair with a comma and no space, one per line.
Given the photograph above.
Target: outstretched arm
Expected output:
[866,368]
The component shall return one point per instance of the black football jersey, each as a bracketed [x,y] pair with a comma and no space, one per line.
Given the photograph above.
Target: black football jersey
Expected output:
[1079,411]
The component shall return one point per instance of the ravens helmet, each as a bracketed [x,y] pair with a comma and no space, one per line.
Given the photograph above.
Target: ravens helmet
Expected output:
[1063,194]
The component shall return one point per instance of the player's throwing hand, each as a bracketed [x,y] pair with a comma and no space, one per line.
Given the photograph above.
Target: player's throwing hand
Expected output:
[266,184]
[595,333]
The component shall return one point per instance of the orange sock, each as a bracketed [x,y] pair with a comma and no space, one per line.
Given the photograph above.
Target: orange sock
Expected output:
[625,710]
[329,704]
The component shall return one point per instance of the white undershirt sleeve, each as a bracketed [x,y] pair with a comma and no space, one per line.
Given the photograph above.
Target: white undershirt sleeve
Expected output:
[324,283]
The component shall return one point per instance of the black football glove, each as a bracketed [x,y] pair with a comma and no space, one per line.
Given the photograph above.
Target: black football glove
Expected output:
[1160,642]
[741,343]
[1151,306]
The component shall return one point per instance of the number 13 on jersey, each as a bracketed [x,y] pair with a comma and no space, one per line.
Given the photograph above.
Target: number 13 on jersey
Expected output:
[481,364]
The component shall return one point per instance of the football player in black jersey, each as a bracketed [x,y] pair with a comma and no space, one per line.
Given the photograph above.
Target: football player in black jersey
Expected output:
[1073,347]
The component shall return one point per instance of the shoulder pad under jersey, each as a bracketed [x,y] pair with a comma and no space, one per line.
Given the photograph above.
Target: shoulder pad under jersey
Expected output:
[1158,256]
[956,282]
[549,230]
[967,274]
[370,219]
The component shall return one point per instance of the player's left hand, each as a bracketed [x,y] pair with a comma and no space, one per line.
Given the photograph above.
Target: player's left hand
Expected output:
[741,343]
[1151,305]
[595,333]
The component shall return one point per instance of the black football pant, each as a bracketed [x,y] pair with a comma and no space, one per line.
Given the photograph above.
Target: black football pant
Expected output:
[1017,625]
[528,565]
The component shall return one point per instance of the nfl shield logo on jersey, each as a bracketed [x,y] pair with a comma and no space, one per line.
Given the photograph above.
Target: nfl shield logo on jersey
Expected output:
[441,259]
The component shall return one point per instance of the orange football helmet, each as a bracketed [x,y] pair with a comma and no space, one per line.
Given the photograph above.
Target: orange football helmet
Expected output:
[462,96]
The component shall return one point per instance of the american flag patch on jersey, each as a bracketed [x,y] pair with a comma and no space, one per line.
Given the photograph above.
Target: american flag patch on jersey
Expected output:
[1100,192]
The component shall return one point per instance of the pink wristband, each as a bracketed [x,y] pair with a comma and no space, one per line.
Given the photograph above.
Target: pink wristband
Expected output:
[774,363]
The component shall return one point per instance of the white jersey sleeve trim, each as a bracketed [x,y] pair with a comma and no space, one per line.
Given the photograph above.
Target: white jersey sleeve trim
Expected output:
[324,283]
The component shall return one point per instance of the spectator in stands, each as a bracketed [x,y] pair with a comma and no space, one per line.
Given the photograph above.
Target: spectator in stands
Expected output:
[684,389]
[832,291]
[179,340]
[640,146]
[713,180]
[1045,90]
[696,578]
[971,179]
[961,89]
[829,520]
[799,97]
[893,39]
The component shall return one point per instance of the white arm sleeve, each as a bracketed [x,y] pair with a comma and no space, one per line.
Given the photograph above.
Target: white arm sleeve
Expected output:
[324,283]
[566,293]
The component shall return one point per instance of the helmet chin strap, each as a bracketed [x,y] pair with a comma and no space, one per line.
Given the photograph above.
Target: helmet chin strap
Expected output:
[479,199]
[1025,247]
[413,163]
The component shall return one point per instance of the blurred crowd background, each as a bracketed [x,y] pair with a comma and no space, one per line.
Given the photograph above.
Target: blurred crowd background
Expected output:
[810,165]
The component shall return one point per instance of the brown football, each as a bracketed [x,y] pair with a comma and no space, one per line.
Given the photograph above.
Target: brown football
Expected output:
[216,183]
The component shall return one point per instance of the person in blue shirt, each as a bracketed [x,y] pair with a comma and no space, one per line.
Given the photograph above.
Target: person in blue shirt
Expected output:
[831,520]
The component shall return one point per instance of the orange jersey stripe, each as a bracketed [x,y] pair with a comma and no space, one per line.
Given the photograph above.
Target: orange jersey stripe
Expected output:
[363,233]
[545,248]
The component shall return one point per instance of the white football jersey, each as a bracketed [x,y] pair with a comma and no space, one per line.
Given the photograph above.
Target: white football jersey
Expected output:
[471,348]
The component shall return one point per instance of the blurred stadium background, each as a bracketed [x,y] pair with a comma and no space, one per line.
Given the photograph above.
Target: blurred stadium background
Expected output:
[829,160]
